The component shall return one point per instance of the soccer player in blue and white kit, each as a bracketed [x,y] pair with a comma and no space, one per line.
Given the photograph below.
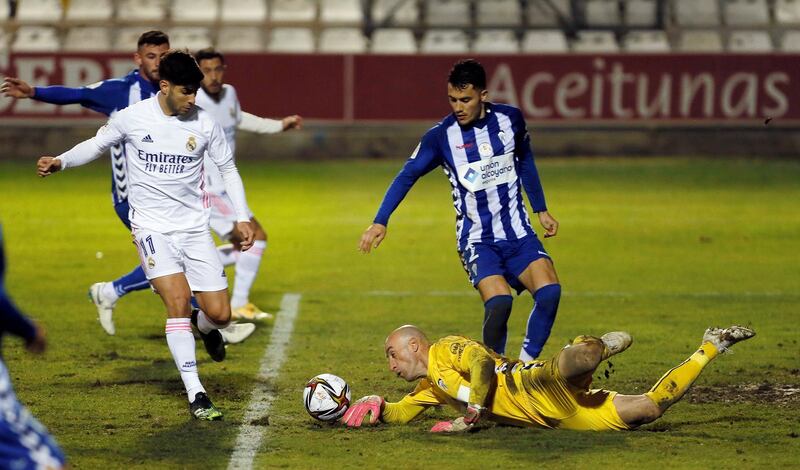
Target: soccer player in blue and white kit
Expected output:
[167,139]
[108,97]
[24,443]
[484,150]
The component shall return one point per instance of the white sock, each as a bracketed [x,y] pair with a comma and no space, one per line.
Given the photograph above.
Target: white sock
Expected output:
[524,356]
[181,344]
[227,254]
[205,325]
[246,270]
[109,292]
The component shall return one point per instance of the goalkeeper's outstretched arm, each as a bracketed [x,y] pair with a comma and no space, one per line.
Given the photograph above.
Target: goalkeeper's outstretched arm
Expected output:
[377,409]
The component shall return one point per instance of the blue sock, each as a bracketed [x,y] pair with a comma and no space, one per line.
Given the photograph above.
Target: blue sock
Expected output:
[194,302]
[540,322]
[495,322]
[134,280]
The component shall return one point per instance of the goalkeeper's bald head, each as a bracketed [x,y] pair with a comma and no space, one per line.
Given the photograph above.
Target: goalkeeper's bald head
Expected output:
[406,332]
[407,351]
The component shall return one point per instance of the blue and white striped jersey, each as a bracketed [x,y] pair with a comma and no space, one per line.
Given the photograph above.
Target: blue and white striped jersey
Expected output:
[486,162]
[107,97]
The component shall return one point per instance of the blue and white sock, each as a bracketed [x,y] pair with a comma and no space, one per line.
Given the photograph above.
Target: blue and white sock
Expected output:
[133,281]
[540,321]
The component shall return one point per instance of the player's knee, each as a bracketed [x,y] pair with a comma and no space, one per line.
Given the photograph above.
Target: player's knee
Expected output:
[224,319]
[260,233]
[648,411]
[220,314]
[587,353]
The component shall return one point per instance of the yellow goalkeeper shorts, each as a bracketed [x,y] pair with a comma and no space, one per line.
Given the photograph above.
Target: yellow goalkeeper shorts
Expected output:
[564,406]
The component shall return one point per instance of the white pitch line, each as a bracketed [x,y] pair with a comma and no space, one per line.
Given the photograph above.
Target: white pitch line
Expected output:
[249,439]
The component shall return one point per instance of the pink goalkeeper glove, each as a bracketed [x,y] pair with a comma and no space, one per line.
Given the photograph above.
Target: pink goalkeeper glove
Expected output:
[472,416]
[370,405]
[456,425]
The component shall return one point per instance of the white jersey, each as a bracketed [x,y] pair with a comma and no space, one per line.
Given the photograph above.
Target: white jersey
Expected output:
[165,156]
[228,114]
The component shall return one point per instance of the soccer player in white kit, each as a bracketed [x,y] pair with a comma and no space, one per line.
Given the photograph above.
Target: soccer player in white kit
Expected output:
[167,139]
[220,100]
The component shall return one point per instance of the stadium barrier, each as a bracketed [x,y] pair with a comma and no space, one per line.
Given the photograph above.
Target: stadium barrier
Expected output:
[377,105]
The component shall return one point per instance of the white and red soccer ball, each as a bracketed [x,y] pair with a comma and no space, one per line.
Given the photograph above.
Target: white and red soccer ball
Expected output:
[326,397]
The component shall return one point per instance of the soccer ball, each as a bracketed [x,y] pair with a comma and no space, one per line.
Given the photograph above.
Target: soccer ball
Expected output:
[326,397]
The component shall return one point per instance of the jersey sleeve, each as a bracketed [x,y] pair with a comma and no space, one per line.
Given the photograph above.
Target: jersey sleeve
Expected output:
[528,174]
[11,319]
[110,134]
[104,97]
[411,405]
[221,154]
[252,123]
[425,158]
[470,357]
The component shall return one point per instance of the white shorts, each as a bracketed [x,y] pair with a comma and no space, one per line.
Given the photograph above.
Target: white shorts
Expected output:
[191,253]
[223,215]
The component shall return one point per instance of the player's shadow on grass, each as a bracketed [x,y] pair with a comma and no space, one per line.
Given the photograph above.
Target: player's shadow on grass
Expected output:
[220,382]
[190,444]
[231,388]
[698,424]
[548,445]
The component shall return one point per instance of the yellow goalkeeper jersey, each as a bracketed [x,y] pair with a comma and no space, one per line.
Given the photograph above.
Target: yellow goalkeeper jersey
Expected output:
[462,371]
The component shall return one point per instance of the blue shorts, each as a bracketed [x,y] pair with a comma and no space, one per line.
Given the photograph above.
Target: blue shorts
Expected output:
[24,443]
[122,208]
[502,258]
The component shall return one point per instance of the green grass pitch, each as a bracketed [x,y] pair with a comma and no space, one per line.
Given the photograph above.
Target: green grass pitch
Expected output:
[660,247]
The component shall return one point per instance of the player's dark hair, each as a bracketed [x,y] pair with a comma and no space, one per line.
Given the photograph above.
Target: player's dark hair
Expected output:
[207,54]
[179,68]
[467,72]
[153,38]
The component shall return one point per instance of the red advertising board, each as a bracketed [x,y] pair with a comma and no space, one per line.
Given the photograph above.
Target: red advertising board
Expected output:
[576,88]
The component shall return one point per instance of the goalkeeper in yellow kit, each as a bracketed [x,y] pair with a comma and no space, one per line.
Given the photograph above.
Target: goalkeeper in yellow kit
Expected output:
[553,393]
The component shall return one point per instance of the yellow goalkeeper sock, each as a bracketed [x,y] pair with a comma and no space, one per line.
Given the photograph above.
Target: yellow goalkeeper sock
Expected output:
[672,385]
